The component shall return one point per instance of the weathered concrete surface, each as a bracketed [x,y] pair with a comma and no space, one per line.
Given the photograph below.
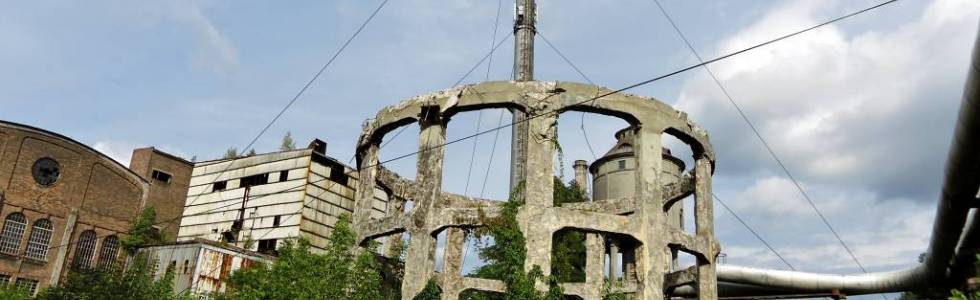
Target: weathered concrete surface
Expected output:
[643,218]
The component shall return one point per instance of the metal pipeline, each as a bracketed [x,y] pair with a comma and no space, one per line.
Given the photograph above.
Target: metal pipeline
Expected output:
[958,196]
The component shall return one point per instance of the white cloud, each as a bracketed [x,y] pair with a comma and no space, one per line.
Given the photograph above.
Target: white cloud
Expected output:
[121,152]
[214,50]
[861,118]
[870,110]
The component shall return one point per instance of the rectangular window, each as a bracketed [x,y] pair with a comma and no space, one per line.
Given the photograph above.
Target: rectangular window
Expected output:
[337,175]
[283,175]
[275,221]
[622,164]
[28,285]
[267,246]
[219,186]
[4,278]
[257,179]
[161,176]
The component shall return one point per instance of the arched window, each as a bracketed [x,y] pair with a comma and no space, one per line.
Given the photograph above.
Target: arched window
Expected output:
[110,249]
[37,244]
[13,232]
[85,249]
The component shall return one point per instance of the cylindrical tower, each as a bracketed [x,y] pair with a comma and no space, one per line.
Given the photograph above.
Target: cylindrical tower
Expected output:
[614,177]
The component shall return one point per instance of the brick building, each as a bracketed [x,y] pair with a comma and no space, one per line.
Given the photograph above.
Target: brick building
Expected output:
[63,203]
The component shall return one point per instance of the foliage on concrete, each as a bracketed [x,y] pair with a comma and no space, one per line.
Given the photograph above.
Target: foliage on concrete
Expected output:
[505,257]
[430,292]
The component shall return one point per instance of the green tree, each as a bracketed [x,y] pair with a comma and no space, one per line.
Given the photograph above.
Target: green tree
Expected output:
[11,292]
[341,272]
[134,282]
[287,142]
[141,232]
[231,153]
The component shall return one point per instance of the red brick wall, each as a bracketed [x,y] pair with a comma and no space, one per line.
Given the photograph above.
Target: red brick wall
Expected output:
[106,195]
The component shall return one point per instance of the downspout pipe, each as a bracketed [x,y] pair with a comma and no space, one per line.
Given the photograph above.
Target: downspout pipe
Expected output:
[958,196]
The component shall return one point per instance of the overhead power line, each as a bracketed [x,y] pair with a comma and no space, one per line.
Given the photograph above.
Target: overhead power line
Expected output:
[287,106]
[641,83]
[759,135]
[580,73]
[479,117]
[306,86]
[752,231]
[597,97]
[737,217]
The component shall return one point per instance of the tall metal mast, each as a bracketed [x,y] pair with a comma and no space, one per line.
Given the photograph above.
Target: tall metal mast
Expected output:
[524,20]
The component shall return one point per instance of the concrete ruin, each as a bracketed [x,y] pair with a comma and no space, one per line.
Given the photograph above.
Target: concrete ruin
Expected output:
[645,217]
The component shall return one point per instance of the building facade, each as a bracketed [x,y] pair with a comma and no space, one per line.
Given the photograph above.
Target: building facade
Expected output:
[66,204]
[257,202]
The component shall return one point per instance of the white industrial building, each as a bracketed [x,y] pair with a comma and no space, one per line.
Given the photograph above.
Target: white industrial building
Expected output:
[256,202]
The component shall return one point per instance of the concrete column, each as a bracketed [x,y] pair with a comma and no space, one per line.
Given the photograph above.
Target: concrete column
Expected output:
[652,257]
[614,264]
[704,220]
[452,264]
[595,250]
[539,187]
[421,247]
[629,263]
[364,195]
[396,206]
[581,177]
[59,260]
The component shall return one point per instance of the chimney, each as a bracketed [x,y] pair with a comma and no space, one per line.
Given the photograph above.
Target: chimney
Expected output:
[318,146]
[581,167]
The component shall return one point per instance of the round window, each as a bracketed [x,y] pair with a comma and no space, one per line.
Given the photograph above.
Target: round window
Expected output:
[46,171]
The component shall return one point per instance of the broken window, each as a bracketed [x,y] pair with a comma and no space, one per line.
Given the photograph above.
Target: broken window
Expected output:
[161,176]
[4,278]
[85,249]
[37,244]
[337,175]
[109,252]
[275,221]
[13,232]
[257,179]
[283,175]
[267,246]
[219,186]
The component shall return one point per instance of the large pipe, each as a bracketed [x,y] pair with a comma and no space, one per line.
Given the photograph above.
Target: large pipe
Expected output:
[962,178]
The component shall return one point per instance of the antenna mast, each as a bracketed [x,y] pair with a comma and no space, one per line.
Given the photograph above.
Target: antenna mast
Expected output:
[525,16]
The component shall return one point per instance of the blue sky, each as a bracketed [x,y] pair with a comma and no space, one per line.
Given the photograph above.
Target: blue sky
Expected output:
[861,110]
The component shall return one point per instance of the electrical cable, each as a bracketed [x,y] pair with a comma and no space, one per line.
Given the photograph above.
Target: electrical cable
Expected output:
[757,236]
[638,84]
[580,73]
[759,135]
[307,85]
[479,117]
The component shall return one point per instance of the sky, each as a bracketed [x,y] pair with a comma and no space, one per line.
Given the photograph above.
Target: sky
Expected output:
[861,111]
